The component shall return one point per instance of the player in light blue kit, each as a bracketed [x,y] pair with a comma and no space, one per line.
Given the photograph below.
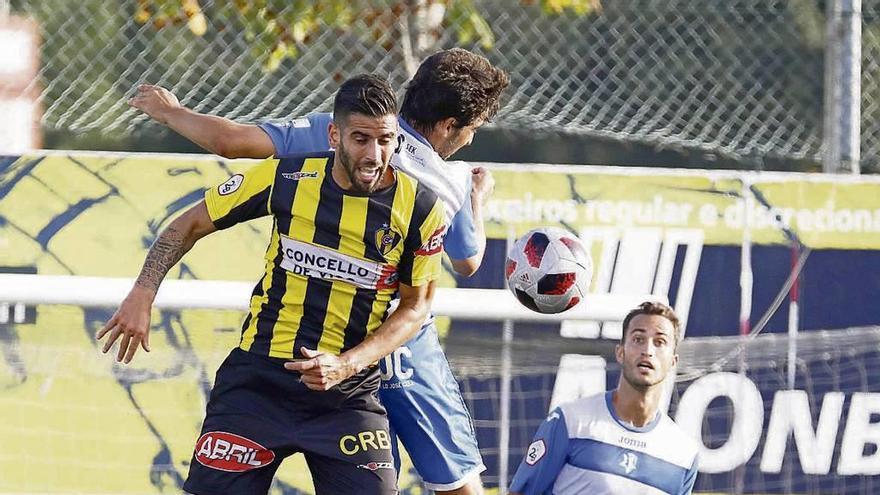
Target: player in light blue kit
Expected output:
[619,441]
[453,93]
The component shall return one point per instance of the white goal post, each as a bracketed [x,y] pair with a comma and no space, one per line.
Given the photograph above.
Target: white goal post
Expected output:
[474,304]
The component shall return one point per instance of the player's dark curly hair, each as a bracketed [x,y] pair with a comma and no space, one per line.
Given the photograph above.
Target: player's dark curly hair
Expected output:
[365,94]
[453,83]
[653,308]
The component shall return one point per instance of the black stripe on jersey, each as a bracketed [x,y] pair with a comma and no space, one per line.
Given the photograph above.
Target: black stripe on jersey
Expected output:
[378,216]
[311,324]
[424,203]
[258,289]
[317,296]
[281,202]
[356,328]
[329,211]
[255,207]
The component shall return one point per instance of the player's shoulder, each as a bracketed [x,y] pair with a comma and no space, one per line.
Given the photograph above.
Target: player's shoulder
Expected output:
[296,161]
[422,195]
[674,433]
[584,406]
[585,409]
[317,120]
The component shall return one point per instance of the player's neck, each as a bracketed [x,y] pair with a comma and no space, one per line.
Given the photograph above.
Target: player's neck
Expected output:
[428,133]
[637,407]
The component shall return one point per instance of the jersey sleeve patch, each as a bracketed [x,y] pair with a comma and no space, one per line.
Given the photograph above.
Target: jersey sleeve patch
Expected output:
[231,185]
[434,244]
[535,452]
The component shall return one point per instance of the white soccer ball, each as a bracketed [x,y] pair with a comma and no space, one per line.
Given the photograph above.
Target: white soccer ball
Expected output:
[548,270]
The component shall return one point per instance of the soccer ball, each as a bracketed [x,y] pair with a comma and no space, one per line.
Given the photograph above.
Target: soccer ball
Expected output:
[548,270]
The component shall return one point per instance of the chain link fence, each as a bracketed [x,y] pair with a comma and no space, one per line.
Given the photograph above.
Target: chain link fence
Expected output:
[741,78]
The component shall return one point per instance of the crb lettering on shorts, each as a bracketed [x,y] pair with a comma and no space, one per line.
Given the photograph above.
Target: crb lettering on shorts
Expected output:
[232,453]
[309,260]
[434,244]
[364,441]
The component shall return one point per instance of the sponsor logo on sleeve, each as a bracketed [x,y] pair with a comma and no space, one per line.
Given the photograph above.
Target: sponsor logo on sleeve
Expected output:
[232,453]
[300,123]
[231,185]
[535,452]
[434,244]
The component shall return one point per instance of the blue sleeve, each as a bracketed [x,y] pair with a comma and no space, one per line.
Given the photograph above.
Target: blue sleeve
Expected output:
[461,239]
[305,135]
[690,478]
[544,458]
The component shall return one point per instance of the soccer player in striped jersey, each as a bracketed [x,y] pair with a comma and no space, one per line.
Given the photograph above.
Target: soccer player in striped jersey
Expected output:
[451,95]
[349,232]
[619,441]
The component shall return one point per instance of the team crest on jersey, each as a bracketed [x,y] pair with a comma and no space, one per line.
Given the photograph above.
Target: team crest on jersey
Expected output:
[629,462]
[386,239]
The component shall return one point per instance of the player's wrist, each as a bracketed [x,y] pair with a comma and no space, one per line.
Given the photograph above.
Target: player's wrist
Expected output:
[169,114]
[350,363]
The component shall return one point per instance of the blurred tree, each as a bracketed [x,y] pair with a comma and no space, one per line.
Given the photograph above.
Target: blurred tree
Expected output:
[278,29]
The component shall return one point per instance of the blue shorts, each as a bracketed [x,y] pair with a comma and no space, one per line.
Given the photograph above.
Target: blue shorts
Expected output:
[428,414]
[259,413]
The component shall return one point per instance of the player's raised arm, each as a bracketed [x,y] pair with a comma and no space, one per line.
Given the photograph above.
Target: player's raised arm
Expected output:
[218,135]
[467,232]
[131,322]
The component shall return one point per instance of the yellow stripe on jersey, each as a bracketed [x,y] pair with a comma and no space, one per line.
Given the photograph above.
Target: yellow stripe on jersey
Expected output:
[250,329]
[287,326]
[427,265]
[302,206]
[352,221]
[305,203]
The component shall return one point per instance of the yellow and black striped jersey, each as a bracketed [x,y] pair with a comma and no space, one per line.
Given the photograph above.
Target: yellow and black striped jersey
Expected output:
[335,258]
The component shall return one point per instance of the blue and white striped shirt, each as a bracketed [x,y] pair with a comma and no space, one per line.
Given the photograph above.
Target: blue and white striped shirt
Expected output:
[583,447]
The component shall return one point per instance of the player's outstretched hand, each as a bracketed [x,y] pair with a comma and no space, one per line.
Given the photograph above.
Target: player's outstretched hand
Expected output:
[154,101]
[320,371]
[483,183]
[131,322]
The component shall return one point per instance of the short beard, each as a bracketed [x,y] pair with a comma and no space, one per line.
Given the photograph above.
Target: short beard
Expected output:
[349,167]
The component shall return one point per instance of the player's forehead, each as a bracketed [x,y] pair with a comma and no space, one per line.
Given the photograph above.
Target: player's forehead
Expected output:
[651,325]
[383,125]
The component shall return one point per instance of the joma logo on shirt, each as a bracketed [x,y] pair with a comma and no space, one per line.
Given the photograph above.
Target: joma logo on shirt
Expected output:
[632,442]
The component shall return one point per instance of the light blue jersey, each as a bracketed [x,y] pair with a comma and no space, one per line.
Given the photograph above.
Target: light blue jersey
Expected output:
[583,447]
[424,403]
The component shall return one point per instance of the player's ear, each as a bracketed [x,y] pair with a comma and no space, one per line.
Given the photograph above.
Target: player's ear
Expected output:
[446,126]
[618,353]
[334,135]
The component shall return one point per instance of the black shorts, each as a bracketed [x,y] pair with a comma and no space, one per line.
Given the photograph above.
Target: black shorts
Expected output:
[259,413]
